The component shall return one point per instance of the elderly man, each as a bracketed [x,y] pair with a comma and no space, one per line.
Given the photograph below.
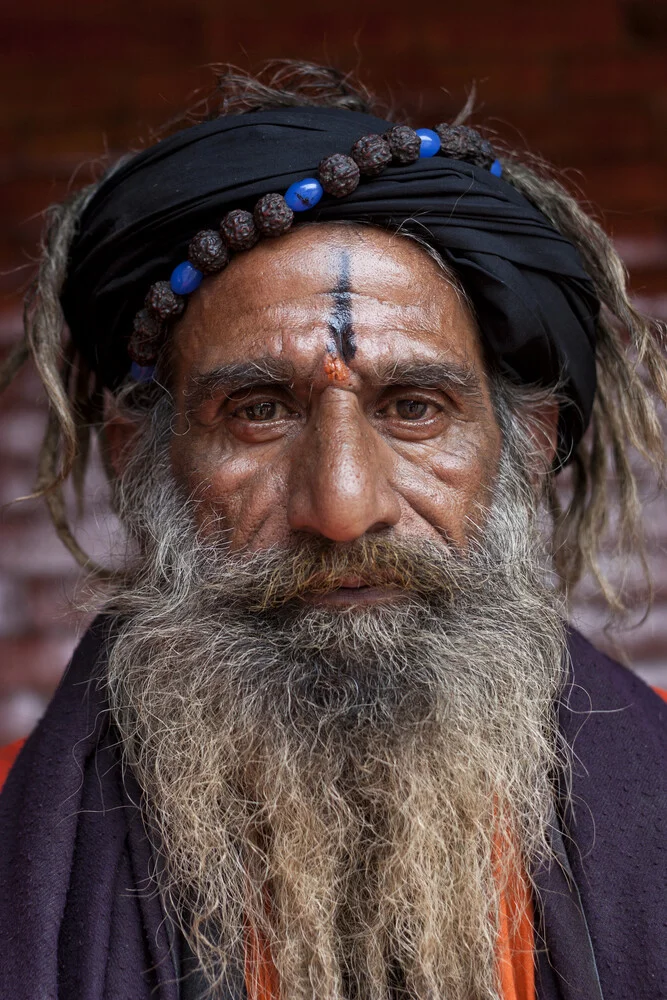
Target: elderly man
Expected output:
[330,735]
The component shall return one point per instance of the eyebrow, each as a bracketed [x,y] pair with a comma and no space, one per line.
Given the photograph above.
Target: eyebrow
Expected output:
[449,375]
[234,377]
[228,379]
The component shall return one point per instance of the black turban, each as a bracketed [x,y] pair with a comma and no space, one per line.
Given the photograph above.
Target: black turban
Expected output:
[535,304]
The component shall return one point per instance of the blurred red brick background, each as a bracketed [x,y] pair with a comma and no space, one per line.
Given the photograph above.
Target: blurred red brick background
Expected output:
[585,84]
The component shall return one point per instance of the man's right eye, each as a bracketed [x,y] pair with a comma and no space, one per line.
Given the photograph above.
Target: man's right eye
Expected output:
[265,410]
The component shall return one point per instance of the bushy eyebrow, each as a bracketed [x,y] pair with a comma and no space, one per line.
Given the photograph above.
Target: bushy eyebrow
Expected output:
[228,379]
[238,375]
[445,375]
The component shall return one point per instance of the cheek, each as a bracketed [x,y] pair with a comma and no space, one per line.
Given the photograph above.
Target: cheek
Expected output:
[233,492]
[453,482]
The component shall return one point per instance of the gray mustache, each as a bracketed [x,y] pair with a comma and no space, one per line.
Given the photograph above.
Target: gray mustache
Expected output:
[274,577]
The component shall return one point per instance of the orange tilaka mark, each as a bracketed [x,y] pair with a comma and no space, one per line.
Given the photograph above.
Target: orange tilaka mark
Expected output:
[336,370]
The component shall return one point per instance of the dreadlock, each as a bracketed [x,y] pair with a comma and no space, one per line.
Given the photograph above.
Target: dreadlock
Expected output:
[631,369]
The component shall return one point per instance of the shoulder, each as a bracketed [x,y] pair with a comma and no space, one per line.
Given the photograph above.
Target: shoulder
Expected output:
[615,726]
[602,689]
[615,815]
[72,722]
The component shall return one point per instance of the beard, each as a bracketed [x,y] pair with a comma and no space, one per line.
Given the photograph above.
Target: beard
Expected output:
[360,786]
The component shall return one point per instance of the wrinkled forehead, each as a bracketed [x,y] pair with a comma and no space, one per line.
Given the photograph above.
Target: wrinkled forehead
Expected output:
[325,286]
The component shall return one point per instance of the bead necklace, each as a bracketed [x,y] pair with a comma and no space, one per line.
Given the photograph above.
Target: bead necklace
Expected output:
[210,250]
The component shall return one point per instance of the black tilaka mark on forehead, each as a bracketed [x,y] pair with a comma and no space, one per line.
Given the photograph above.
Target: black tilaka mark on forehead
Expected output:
[340,322]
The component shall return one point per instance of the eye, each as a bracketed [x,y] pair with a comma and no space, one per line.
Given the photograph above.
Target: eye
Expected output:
[411,409]
[264,410]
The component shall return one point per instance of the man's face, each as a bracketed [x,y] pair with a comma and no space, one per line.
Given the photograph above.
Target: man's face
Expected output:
[326,694]
[332,383]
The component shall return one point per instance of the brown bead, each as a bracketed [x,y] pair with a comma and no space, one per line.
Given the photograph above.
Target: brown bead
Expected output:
[338,174]
[371,153]
[208,252]
[272,215]
[404,143]
[460,142]
[163,302]
[146,336]
[238,230]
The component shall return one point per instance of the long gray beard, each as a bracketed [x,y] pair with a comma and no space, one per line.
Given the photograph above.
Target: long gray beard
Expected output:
[360,786]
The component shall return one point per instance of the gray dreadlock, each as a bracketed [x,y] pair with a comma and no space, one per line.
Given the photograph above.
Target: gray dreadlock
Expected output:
[631,368]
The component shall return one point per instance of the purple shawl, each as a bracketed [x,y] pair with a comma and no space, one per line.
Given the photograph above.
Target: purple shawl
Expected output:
[80,919]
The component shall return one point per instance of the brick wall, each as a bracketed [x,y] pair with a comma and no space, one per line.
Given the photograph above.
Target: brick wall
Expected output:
[583,83]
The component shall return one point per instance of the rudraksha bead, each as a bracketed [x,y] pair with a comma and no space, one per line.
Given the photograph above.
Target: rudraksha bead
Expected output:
[485,154]
[208,251]
[145,340]
[338,174]
[163,302]
[463,143]
[238,230]
[371,153]
[272,215]
[404,143]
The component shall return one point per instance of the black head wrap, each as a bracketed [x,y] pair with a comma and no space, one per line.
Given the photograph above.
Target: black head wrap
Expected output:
[536,305]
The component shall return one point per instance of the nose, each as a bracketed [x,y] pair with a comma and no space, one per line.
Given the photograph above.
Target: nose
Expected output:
[339,484]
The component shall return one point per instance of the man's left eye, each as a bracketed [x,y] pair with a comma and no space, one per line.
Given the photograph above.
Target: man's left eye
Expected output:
[411,409]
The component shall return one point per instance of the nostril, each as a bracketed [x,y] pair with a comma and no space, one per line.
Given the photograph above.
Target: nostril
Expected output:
[380,526]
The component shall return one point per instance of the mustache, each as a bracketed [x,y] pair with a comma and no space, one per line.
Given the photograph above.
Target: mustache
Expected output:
[278,576]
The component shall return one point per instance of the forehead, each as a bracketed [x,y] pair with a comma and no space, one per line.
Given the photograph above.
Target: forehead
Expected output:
[281,298]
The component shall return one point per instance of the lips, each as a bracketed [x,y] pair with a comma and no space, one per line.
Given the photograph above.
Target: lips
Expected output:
[352,583]
[353,591]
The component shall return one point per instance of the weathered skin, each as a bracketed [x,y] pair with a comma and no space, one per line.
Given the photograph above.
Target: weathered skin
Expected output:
[294,413]
[336,457]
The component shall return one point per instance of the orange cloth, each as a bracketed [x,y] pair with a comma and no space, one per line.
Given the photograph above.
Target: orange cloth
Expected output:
[515,945]
[261,975]
[8,755]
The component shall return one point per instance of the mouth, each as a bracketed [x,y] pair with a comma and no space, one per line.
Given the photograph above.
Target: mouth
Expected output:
[354,591]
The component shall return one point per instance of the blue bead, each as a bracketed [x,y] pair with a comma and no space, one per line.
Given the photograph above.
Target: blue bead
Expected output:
[185,278]
[142,373]
[430,142]
[496,168]
[304,194]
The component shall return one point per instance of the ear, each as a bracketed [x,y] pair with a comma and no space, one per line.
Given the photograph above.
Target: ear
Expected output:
[542,422]
[118,439]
